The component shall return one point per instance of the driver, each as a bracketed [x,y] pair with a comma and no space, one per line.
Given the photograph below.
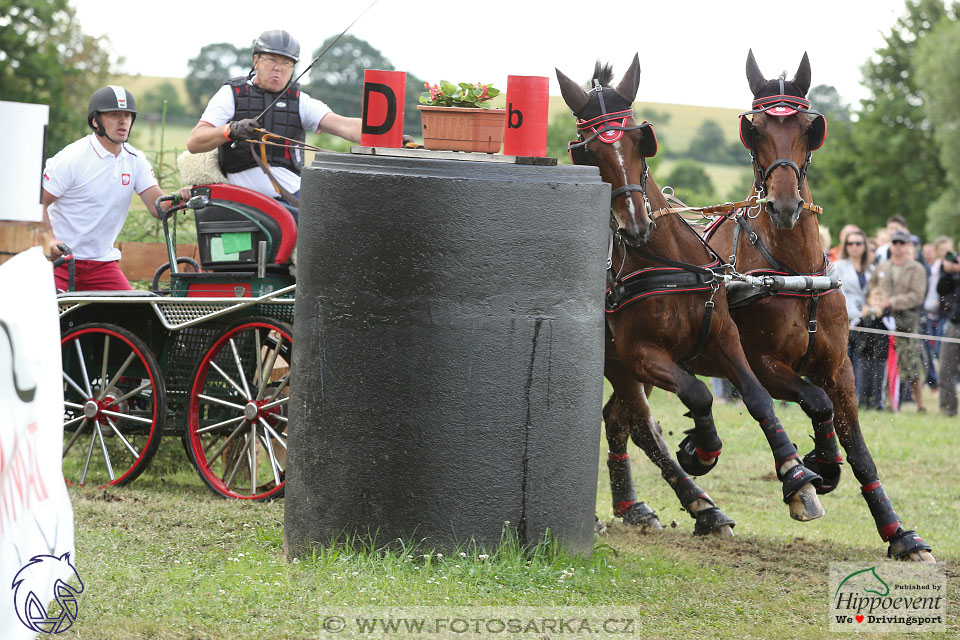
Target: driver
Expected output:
[87,189]
[230,118]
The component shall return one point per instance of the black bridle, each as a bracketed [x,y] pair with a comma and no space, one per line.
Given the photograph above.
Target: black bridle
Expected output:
[601,127]
[770,105]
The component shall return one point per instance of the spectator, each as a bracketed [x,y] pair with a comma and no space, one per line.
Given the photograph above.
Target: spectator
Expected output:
[933,313]
[834,253]
[855,267]
[894,222]
[948,286]
[872,348]
[904,281]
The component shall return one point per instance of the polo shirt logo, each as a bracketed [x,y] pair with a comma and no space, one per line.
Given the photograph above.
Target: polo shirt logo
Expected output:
[124,179]
[46,176]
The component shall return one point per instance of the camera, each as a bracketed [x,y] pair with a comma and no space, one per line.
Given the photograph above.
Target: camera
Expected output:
[950,257]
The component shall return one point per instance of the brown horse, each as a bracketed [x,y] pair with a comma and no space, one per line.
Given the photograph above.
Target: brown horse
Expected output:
[667,320]
[788,336]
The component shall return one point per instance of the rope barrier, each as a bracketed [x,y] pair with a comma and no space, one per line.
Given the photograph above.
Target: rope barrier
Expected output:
[901,334]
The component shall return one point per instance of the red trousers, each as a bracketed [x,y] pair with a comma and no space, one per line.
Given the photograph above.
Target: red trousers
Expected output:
[92,276]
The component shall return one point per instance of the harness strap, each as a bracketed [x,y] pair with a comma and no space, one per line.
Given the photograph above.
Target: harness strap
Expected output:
[811,331]
[756,242]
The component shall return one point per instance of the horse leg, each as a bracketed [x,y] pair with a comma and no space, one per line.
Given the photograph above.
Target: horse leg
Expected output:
[625,505]
[799,482]
[903,544]
[648,435]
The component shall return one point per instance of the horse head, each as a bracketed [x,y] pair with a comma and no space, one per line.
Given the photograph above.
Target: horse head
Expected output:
[781,137]
[611,140]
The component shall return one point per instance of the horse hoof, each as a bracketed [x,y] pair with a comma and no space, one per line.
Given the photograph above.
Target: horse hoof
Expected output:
[909,546]
[690,461]
[599,527]
[641,515]
[712,521]
[829,471]
[805,506]
[922,556]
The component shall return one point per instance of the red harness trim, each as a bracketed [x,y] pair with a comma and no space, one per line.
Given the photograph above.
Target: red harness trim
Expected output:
[605,133]
[761,103]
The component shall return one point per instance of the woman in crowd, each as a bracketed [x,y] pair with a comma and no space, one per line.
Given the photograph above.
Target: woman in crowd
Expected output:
[854,268]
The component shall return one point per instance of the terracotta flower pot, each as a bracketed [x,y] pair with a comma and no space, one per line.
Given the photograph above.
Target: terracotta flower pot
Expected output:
[462,129]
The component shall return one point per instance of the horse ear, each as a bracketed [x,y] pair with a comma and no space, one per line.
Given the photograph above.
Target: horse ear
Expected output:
[630,83]
[575,97]
[754,75]
[801,79]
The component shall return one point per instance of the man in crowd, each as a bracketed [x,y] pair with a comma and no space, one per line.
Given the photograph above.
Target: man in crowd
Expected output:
[230,119]
[87,189]
[948,286]
[905,282]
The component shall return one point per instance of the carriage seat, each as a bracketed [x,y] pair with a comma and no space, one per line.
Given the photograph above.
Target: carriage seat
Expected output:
[231,227]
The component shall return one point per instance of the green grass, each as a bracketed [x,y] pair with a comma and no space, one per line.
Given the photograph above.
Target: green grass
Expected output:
[164,558]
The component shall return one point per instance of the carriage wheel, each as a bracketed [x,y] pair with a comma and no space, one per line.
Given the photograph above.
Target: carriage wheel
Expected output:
[237,428]
[114,405]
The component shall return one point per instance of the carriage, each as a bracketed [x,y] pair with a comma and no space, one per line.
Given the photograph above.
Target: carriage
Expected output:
[206,359]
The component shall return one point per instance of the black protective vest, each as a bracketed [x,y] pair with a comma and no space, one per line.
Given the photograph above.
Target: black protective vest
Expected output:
[283,118]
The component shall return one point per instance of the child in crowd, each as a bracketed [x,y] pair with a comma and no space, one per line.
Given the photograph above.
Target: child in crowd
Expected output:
[873,348]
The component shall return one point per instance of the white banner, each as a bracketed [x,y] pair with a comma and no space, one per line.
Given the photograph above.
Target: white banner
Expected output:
[20,179]
[36,519]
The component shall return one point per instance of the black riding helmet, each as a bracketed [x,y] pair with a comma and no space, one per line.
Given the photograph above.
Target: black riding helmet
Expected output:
[110,98]
[278,42]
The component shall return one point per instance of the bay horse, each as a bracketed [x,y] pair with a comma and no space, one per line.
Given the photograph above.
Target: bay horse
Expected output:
[789,336]
[666,320]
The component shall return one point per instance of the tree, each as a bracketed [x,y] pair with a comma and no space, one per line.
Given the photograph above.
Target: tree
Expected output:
[691,183]
[937,61]
[889,163]
[707,144]
[560,131]
[150,104]
[826,99]
[212,66]
[45,58]
[337,79]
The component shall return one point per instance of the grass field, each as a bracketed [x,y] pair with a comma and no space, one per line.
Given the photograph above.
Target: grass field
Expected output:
[165,559]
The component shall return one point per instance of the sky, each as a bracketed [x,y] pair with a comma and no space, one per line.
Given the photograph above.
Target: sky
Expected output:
[691,51]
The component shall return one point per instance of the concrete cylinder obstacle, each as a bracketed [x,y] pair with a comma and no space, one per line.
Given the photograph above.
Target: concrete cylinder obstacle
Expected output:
[448,350]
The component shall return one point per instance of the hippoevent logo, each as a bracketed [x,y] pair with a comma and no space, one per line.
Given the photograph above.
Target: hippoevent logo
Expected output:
[887,596]
[30,608]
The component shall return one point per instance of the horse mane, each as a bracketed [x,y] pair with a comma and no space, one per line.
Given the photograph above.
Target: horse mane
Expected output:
[603,73]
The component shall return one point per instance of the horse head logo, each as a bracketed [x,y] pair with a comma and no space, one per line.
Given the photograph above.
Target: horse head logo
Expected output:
[31,610]
[868,580]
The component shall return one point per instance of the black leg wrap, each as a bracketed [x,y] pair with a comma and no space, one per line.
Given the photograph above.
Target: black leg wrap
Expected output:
[903,543]
[641,515]
[703,441]
[887,520]
[829,471]
[710,520]
[688,491]
[780,444]
[794,480]
[621,482]
[688,458]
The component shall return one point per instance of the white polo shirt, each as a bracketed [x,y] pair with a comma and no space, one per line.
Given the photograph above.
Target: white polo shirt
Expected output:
[94,189]
[220,111]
